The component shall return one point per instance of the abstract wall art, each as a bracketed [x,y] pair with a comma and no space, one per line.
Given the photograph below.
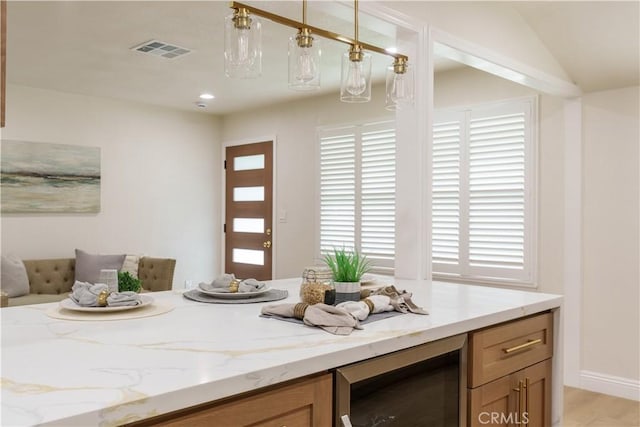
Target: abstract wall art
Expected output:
[49,178]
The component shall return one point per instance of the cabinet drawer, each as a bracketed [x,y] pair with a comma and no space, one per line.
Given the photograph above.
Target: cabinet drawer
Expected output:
[500,350]
[300,403]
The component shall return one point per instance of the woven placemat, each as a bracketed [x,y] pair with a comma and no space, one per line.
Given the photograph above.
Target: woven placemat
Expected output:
[272,295]
[371,318]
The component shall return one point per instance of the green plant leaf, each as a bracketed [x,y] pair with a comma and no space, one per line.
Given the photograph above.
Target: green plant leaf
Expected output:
[346,265]
[126,282]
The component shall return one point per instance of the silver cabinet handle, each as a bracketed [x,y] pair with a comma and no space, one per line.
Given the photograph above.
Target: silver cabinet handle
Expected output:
[346,422]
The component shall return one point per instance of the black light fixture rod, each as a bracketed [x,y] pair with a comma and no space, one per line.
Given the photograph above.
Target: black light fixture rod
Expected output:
[315,30]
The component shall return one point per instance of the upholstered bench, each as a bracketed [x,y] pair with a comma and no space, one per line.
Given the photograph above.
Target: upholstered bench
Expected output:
[50,280]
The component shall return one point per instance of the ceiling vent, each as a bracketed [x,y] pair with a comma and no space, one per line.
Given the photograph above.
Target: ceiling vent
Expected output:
[158,48]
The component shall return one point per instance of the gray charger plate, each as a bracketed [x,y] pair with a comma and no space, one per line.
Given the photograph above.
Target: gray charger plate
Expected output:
[272,295]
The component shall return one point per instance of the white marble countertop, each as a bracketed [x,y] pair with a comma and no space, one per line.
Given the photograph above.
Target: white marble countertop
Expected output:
[89,373]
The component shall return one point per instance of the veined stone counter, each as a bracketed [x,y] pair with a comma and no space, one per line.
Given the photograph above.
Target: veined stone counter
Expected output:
[90,373]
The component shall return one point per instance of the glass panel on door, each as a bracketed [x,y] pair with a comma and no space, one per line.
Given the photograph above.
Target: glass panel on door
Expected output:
[248,256]
[248,225]
[248,194]
[245,163]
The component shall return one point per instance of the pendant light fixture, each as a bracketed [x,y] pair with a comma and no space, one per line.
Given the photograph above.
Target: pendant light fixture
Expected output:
[304,57]
[355,85]
[243,57]
[400,82]
[242,45]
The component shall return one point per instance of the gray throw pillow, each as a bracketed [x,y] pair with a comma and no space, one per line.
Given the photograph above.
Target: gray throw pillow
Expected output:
[14,281]
[88,265]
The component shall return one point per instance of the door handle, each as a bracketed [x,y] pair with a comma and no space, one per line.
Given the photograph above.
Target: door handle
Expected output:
[266,244]
[521,401]
[522,346]
[526,402]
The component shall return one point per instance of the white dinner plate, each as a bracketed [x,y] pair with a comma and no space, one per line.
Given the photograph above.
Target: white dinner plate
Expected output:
[234,295]
[68,304]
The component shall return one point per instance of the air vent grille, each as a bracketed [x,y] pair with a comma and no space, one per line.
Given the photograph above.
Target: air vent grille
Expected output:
[158,48]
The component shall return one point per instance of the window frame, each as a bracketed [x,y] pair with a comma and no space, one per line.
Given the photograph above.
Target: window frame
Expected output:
[466,273]
[386,267]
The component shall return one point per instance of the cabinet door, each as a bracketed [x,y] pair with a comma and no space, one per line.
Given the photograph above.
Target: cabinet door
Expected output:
[520,399]
[492,403]
[305,403]
[537,393]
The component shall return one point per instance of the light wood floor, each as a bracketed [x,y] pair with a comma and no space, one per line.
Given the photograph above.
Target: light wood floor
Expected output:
[585,408]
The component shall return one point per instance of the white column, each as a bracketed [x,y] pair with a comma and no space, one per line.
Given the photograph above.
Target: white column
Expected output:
[572,312]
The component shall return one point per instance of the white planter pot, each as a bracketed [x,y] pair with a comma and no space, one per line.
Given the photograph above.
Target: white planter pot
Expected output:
[347,291]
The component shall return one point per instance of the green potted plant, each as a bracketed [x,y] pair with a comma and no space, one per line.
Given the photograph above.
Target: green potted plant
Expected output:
[347,268]
[126,282]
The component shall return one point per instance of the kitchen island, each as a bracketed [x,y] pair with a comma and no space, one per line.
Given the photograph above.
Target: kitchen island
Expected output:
[90,373]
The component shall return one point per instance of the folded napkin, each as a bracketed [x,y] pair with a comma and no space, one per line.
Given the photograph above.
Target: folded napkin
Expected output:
[371,305]
[88,295]
[221,284]
[121,299]
[332,319]
[225,283]
[400,300]
[251,285]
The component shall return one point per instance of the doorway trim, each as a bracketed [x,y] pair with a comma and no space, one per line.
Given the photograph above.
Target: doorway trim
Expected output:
[223,186]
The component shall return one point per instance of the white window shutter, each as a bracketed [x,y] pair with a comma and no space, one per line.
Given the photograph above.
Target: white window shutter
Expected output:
[483,192]
[357,191]
[496,192]
[337,189]
[446,193]
[378,187]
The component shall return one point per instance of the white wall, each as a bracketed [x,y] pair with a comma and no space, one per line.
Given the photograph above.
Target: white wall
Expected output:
[159,181]
[611,254]
[294,126]
[467,86]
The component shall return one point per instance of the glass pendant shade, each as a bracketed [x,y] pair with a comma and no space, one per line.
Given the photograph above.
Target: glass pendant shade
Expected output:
[399,87]
[304,64]
[242,46]
[356,78]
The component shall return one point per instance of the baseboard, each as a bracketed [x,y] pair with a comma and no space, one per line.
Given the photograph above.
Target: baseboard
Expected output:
[609,384]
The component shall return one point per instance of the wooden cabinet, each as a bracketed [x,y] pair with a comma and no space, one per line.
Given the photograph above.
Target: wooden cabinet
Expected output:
[301,403]
[522,398]
[509,376]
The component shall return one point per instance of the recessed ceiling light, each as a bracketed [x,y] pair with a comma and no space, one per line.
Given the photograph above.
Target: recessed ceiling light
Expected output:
[206,96]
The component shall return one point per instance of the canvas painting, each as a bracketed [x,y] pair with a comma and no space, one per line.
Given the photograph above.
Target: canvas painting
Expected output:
[49,178]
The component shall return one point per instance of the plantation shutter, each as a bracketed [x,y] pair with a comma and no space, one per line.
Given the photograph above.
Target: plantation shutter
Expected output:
[446,189]
[357,191]
[496,192]
[337,189]
[378,187]
[483,168]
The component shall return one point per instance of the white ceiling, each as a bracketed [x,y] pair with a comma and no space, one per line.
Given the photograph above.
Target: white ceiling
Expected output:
[84,47]
[596,42]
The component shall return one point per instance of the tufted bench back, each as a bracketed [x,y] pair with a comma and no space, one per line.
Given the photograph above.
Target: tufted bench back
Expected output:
[51,276]
[56,276]
[156,274]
